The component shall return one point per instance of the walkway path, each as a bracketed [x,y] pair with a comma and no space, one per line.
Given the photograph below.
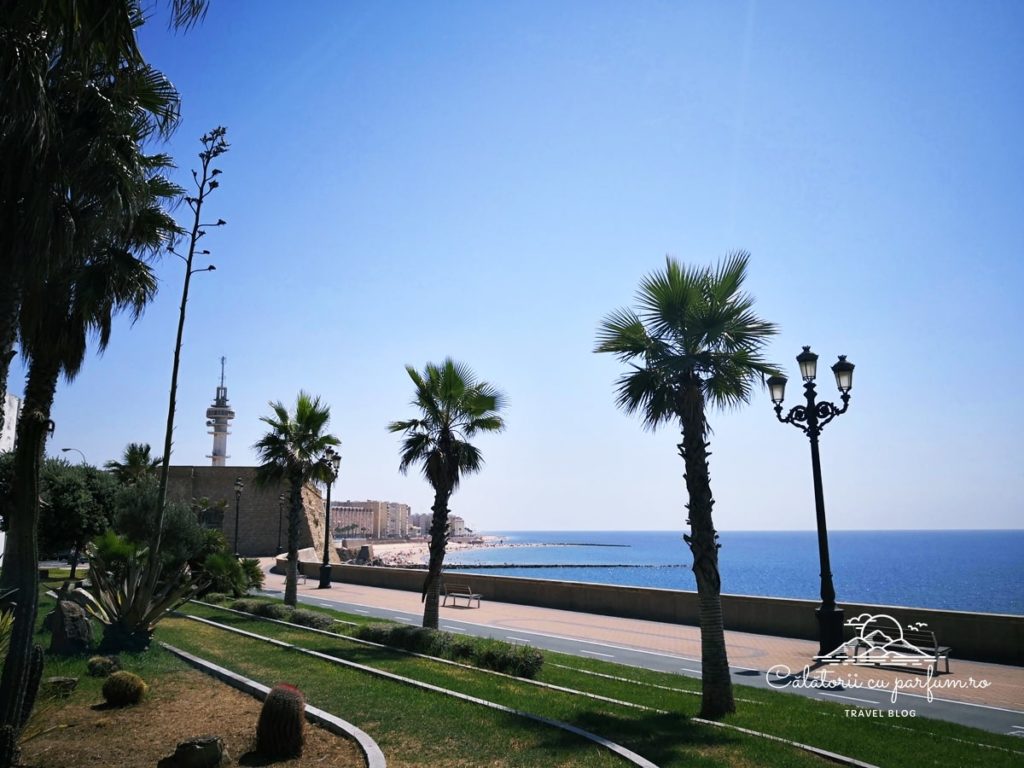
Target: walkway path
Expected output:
[1004,689]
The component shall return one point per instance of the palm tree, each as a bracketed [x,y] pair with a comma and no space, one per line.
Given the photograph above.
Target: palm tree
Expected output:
[454,406]
[293,451]
[42,42]
[116,196]
[137,464]
[694,342]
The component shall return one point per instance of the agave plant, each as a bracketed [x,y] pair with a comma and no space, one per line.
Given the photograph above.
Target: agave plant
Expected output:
[130,606]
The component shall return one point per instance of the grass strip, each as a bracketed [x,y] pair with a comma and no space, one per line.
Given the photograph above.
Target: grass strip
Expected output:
[822,724]
[412,726]
[667,738]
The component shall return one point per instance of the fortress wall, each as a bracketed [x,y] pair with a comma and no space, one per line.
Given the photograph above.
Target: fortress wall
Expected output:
[258,509]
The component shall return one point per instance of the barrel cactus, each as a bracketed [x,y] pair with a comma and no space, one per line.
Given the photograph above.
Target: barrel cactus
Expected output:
[123,688]
[279,731]
[103,666]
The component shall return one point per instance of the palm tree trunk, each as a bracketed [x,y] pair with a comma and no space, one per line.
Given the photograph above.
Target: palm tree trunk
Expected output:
[291,579]
[438,543]
[21,559]
[716,685]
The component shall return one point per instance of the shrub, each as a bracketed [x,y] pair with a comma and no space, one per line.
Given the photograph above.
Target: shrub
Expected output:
[278,611]
[312,619]
[279,731]
[247,605]
[123,688]
[103,666]
[217,598]
[519,660]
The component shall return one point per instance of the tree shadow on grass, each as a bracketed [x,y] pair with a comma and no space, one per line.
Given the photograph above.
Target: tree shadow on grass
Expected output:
[664,739]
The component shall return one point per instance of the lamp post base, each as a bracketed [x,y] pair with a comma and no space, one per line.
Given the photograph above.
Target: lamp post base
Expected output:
[830,629]
[325,577]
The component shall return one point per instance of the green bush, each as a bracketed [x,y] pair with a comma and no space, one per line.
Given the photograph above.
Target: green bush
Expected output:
[218,598]
[278,611]
[312,619]
[519,660]
[123,688]
[247,605]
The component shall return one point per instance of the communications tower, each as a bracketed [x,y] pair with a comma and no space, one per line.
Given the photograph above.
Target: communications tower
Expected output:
[218,418]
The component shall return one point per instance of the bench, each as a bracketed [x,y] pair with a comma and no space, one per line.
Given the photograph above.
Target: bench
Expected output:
[919,648]
[455,591]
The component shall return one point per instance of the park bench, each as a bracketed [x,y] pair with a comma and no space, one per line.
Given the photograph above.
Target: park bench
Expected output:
[918,648]
[455,591]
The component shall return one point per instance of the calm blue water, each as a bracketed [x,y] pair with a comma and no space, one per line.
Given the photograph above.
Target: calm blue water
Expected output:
[979,571]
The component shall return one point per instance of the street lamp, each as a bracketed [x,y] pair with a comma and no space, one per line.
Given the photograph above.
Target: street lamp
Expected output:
[76,450]
[280,517]
[812,418]
[331,461]
[239,485]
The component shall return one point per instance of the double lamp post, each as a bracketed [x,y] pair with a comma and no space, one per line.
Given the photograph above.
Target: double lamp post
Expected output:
[811,418]
[331,461]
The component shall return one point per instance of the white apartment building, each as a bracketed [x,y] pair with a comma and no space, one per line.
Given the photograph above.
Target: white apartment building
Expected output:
[375,519]
[12,410]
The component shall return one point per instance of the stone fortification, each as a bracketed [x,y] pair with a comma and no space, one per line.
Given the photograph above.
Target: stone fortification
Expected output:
[259,508]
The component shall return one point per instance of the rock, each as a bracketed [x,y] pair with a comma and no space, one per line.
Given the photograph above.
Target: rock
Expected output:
[72,632]
[201,752]
[60,687]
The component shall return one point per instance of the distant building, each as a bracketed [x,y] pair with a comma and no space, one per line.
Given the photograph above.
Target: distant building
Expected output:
[456,526]
[218,419]
[374,519]
[12,410]
[422,520]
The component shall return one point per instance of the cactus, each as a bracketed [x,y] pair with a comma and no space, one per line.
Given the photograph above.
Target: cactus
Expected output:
[279,731]
[123,688]
[35,676]
[102,666]
[8,745]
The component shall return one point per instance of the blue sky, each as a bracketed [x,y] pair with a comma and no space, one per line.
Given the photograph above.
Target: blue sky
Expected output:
[488,180]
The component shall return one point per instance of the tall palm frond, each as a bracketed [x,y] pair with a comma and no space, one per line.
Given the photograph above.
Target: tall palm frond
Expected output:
[693,341]
[292,451]
[454,406]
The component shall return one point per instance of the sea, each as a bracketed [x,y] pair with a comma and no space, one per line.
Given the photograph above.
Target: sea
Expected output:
[977,571]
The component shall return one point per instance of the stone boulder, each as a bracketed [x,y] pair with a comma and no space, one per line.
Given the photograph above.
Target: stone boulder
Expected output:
[72,632]
[201,752]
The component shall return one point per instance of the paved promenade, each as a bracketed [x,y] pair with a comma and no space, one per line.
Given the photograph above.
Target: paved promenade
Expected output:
[1005,687]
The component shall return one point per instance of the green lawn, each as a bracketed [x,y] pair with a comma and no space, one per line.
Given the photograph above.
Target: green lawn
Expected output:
[672,738]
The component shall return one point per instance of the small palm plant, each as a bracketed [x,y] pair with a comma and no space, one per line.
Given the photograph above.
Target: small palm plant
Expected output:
[292,451]
[137,463]
[695,342]
[454,406]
